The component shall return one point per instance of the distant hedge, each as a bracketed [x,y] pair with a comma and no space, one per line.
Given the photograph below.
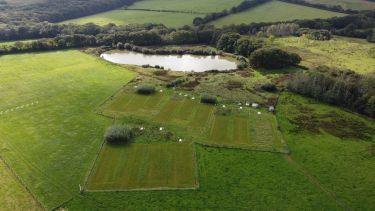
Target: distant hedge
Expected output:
[146,89]
[118,134]
[209,99]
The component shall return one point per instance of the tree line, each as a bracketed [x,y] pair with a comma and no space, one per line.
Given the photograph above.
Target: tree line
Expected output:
[333,8]
[56,10]
[342,88]
[245,5]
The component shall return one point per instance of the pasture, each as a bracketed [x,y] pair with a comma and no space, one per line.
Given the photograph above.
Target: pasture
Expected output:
[124,17]
[50,99]
[348,53]
[275,11]
[145,166]
[348,4]
[194,6]
[13,196]
[333,146]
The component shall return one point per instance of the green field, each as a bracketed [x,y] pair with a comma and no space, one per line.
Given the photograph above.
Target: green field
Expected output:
[332,146]
[145,166]
[229,180]
[13,196]
[275,11]
[241,128]
[50,99]
[123,17]
[206,6]
[354,54]
[348,4]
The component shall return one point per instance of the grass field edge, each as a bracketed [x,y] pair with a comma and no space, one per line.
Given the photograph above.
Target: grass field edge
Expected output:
[23,184]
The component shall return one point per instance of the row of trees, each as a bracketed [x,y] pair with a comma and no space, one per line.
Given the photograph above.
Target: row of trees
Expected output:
[245,5]
[235,43]
[338,87]
[334,8]
[56,10]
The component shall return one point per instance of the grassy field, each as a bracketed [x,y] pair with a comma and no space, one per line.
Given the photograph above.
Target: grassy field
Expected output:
[123,17]
[348,4]
[354,54]
[49,100]
[145,166]
[273,12]
[334,146]
[241,128]
[13,196]
[229,180]
[206,6]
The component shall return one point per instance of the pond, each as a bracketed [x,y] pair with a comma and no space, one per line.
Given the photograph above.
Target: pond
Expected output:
[185,62]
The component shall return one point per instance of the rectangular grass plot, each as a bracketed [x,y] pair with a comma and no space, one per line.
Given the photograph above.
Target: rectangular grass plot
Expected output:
[144,166]
[134,104]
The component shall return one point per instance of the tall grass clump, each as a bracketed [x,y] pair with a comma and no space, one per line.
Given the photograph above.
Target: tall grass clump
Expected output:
[118,134]
[146,89]
[208,99]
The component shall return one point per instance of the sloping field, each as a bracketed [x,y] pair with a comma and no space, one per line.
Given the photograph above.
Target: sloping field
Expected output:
[145,166]
[340,155]
[275,11]
[348,53]
[123,17]
[198,6]
[49,131]
[348,4]
[13,196]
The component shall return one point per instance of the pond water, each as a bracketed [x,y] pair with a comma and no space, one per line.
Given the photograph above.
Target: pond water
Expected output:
[172,62]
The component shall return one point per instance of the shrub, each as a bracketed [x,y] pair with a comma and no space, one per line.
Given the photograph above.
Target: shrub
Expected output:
[269,87]
[118,134]
[175,83]
[146,89]
[273,58]
[209,99]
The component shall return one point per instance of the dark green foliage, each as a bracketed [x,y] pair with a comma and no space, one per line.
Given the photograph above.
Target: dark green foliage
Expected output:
[118,134]
[175,83]
[227,42]
[145,89]
[315,34]
[269,87]
[245,45]
[209,99]
[339,87]
[271,58]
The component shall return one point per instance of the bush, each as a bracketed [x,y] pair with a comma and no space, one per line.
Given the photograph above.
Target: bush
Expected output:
[209,99]
[146,89]
[118,134]
[271,58]
[176,82]
[269,87]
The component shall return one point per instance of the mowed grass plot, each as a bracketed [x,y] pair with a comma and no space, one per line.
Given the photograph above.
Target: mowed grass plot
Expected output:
[245,128]
[125,17]
[275,11]
[13,196]
[51,144]
[348,53]
[144,166]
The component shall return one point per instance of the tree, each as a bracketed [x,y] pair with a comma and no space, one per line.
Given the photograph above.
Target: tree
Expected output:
[273,58]
[227,42]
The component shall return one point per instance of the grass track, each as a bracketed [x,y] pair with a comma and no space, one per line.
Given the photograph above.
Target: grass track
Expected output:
[62,128]
[273,12]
